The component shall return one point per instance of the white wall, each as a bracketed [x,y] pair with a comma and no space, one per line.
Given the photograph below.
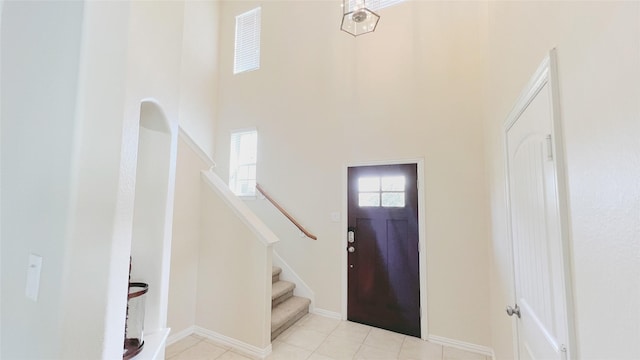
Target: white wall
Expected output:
[323,99]
[599,73]
[220,270]
[234,275]
[40,57]
[122,66]
[83,141]
[186,239]
[153,73]
[100,225]
[197,114]
[199,73]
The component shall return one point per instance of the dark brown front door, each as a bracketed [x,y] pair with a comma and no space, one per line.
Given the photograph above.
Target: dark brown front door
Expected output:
[383,273]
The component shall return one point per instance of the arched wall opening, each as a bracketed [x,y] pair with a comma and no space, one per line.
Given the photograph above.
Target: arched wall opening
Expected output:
[152,217]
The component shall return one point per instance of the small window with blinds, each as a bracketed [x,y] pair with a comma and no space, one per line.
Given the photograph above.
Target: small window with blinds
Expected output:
[242,162]
[247,46]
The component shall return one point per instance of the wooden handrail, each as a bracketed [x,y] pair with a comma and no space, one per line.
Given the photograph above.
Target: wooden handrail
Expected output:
[285,213]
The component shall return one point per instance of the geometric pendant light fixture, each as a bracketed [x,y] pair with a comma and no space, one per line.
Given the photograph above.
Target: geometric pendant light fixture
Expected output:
[357,18]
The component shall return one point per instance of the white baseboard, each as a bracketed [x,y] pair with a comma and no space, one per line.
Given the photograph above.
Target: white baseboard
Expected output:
[235,344]
[175,337]
[327,313]
[287,274]
[479,349]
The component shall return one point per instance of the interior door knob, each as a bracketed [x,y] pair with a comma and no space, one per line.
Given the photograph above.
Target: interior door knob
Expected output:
[511,311]
[351,249]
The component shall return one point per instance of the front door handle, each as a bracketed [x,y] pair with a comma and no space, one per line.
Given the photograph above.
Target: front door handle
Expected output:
[511,311]
[351,249]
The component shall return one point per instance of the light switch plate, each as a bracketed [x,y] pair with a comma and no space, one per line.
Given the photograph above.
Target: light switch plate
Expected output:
[33,276]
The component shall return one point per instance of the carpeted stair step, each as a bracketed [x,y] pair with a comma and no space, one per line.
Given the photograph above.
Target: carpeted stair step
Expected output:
[281,291]
[275,274]
[287,313]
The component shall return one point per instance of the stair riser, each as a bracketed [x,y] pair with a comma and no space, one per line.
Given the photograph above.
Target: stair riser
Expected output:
[285,326]
[286,308]
[275,274]
[282,298]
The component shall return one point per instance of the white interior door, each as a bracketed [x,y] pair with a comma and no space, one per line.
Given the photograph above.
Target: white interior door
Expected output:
[536,228]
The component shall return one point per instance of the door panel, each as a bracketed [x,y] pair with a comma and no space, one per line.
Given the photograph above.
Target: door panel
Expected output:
[371,280]
[535,231]
[383,273]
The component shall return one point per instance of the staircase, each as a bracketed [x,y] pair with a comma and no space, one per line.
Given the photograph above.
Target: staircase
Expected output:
[286,309]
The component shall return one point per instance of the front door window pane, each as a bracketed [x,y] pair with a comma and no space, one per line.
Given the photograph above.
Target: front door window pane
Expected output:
[369,199]
[369,184]
[393,199]
[393,183]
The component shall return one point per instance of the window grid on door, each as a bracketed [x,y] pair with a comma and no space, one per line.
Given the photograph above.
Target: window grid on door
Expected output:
[385,191]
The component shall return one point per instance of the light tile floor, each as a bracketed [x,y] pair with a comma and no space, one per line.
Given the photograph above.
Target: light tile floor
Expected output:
[319,338]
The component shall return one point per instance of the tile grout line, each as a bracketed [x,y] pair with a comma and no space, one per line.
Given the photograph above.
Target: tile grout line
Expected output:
[328,332]
[404,340]
[359,348]
[187,348]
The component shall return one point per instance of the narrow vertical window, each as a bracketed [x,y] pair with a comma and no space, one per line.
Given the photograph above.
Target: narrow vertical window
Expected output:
[242,162]
[247,45]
